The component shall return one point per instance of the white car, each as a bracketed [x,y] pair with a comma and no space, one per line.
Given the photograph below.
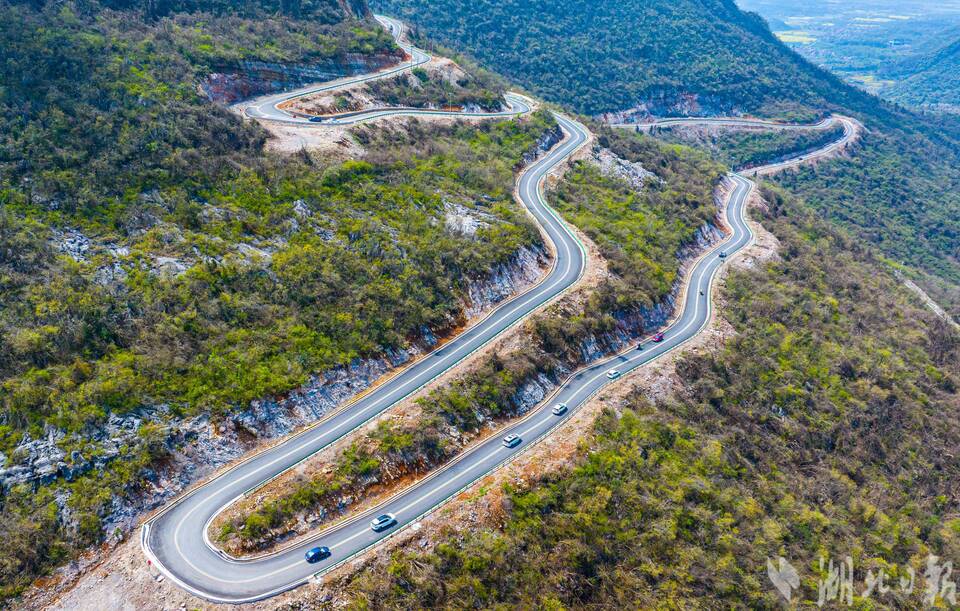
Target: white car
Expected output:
[511,441]
[559,409]
[613,374]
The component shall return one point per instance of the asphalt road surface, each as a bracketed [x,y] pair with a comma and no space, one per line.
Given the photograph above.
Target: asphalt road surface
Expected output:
[269,107]
[826,123]
[175,540]
[849,134]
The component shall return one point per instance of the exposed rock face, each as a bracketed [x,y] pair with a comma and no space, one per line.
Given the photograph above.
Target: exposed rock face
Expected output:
[72,243]
[533,392]
[42,460]
[613,166]
[505,280]
[251,78]
[169,266]
[544,144]
[464,221]
[673,103]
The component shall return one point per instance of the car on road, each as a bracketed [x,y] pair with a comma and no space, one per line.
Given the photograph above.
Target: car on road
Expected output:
[559,409]
[512,441]
[317,554]
[613,374]
[381,523]
[722,255]
[317,119]
[658,337]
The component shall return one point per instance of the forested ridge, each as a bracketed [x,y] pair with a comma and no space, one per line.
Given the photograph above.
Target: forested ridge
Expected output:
[609,56]
[930,80]
[100,108]
[740,148]
[889,191]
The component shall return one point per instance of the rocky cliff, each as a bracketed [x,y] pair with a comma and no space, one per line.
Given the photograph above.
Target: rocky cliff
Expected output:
[251,79]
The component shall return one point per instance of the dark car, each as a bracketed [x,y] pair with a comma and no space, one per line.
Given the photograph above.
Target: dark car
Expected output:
[317,554]
[512,441]
[722,255]
[381,523]
[658,337]
[316,119]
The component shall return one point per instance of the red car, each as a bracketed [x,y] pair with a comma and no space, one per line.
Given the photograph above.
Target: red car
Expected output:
[658,337]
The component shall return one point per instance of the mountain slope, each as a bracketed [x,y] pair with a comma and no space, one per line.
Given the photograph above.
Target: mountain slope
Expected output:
[707,57]
[161,269]
[610,56]
[928,81]
[101,105]
[821,428]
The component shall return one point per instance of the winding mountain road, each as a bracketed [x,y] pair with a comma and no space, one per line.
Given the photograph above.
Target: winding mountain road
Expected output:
[851,131]
[272,107]
[823,124]
[175,539]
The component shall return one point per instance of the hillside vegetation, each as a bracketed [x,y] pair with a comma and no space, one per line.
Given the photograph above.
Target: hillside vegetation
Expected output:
[639,231]
[100,108]
[749,148]
[156,261]
[899,190]
[931,80]
[422,88]
[612,55]
[893,192]
[821,428]
[362,263]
